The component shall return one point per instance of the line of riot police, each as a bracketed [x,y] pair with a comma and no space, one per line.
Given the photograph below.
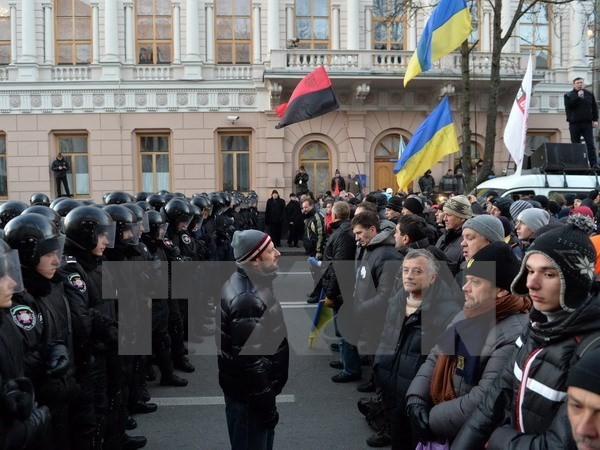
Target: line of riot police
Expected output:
[64,384]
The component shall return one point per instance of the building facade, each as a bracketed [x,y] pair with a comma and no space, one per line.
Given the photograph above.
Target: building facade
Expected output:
[145,95]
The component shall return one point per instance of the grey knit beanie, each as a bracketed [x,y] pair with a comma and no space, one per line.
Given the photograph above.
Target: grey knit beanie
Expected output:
[518,207]
[249,245]
[489,227]
[534,218]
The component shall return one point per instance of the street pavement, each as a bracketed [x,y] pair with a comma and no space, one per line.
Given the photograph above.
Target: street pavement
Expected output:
[315,413]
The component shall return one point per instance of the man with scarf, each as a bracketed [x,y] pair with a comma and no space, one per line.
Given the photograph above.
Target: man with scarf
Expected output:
[338,184]
[473,350]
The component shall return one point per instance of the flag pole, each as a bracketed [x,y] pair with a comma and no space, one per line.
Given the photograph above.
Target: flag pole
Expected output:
[353,152]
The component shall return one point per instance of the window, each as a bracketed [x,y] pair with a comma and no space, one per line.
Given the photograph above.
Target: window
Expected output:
[389,25]
[235,161]
[154,35]
[154,155]
[3,179]
[234,31]
[74,148]
[314,156]
[475,36]
[534,31]
[4,32]
[312,23]
[73,32]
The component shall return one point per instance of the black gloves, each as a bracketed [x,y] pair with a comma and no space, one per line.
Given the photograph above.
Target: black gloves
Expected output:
[57,360]
[16,398]
[269,420]
[419,421]
[38,424]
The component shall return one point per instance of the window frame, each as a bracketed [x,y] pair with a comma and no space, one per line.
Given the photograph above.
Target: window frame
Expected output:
[74,42]
[139,134]
[312,44]
[233,41]
[70,156]
[5,24]
[388,20]
[153,42]
[221,179]
[532,47]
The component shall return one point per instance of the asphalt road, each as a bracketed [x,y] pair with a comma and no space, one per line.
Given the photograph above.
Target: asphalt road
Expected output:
[315,413]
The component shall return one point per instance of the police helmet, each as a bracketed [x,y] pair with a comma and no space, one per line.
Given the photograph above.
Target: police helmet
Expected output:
[39,198]
[141,196]
[144,205]
[10,210]
[45,211]
[84,224]
[140,215]
[118,198]
[157,225]
[157,201]
[178,211]
[63,208]
[57,200]
[34,236]
[127,228]
[201,202]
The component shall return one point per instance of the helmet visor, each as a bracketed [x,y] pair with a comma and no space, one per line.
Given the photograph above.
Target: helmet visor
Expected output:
[11,279]
[144,223]
[53,245]
[106,234]
[130,234]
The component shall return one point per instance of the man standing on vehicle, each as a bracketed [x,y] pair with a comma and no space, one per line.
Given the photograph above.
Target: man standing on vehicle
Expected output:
[582,115]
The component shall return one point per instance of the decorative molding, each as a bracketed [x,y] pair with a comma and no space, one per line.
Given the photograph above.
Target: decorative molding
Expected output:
[361,92]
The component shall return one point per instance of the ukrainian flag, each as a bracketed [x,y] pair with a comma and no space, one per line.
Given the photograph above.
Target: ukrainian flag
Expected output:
[446,29]
[434,139]
[323,315]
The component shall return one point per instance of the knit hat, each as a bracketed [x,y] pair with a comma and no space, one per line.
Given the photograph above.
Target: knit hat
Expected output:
[585,210]
[249,245]
[573,256]
[534,218]
[414,205]
[517,207]
[503,204]
[488,226]
[585,373]
[569,199]
[503,272]
[459,206]
[543,200]
[507,224]
[394,203]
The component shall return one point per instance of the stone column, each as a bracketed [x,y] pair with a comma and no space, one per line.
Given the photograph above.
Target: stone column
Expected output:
[578,42]
[176,7]
[335,27]
[48,33]
[289,21]
[28,49]
[210,33]
[13,32]
[256,47]
[368,28]
[192,30]
[352,27]
[111,32]
[129,34]
[485,32]
[273,27]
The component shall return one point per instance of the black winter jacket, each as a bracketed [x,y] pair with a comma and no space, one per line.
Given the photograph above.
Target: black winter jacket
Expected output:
[275,211]
[526,407]
[340,246]
[399,355]
[254,352]
[449,243]
[581,109]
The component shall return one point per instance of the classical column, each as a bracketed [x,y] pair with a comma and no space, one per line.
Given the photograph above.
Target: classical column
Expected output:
[273,27]
[111,32]
[129,34]
[210,33]
[192,30]
[13,32]
[335,27]
[484,33]
[352,27]
[48,33]
[578,42]
[95,32]
[368,28]
[177,31]
[506,18]
[256,56]
[289,21]
[28,50]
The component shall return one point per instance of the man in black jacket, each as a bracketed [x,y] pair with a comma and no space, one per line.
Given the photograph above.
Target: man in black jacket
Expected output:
[301,181]
[252,341]
[295,221]
[60,167]
[582,115]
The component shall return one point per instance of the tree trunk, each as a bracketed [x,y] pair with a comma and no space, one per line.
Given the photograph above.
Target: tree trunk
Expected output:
[466,116]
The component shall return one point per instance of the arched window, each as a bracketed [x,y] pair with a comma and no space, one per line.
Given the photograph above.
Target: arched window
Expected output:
[386,156]
[154,35]
[314,156]
[73,32]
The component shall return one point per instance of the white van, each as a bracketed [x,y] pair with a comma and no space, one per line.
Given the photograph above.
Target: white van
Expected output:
[530,184]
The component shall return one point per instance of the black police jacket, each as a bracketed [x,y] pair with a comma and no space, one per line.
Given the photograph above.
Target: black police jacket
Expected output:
[11,346]
[254,352]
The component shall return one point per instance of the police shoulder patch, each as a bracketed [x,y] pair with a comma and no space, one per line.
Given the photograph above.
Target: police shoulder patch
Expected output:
[23,316]
[77,282]
[186,239]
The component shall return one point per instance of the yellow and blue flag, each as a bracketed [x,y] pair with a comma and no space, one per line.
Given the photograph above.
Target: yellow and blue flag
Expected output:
[434,139]
[323,315]
[446,29]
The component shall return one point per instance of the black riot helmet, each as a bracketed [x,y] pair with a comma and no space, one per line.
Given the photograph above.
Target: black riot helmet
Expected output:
[84,226]
[118,198]
[144,205]
[66,206]
[157,225]
[57,200]
[196,218]
[39,198]
[140,215]
[127,228]
[201,202]
[218,202]
[169,196]
[34,236]
[177,212]
[10,210]
[45,211]
[10,269]
[157,201]
[141,196]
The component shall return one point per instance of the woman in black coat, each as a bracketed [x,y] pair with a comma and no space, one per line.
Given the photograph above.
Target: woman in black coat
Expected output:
[275,217]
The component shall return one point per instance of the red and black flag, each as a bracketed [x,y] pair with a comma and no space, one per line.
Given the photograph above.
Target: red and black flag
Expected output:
[312,98]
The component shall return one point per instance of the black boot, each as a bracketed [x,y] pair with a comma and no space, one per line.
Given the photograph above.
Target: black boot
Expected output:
[133,442]
[143,408]
[173,380]
[182,363]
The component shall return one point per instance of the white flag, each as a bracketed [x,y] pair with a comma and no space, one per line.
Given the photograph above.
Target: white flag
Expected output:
[515,131]
[401,148]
